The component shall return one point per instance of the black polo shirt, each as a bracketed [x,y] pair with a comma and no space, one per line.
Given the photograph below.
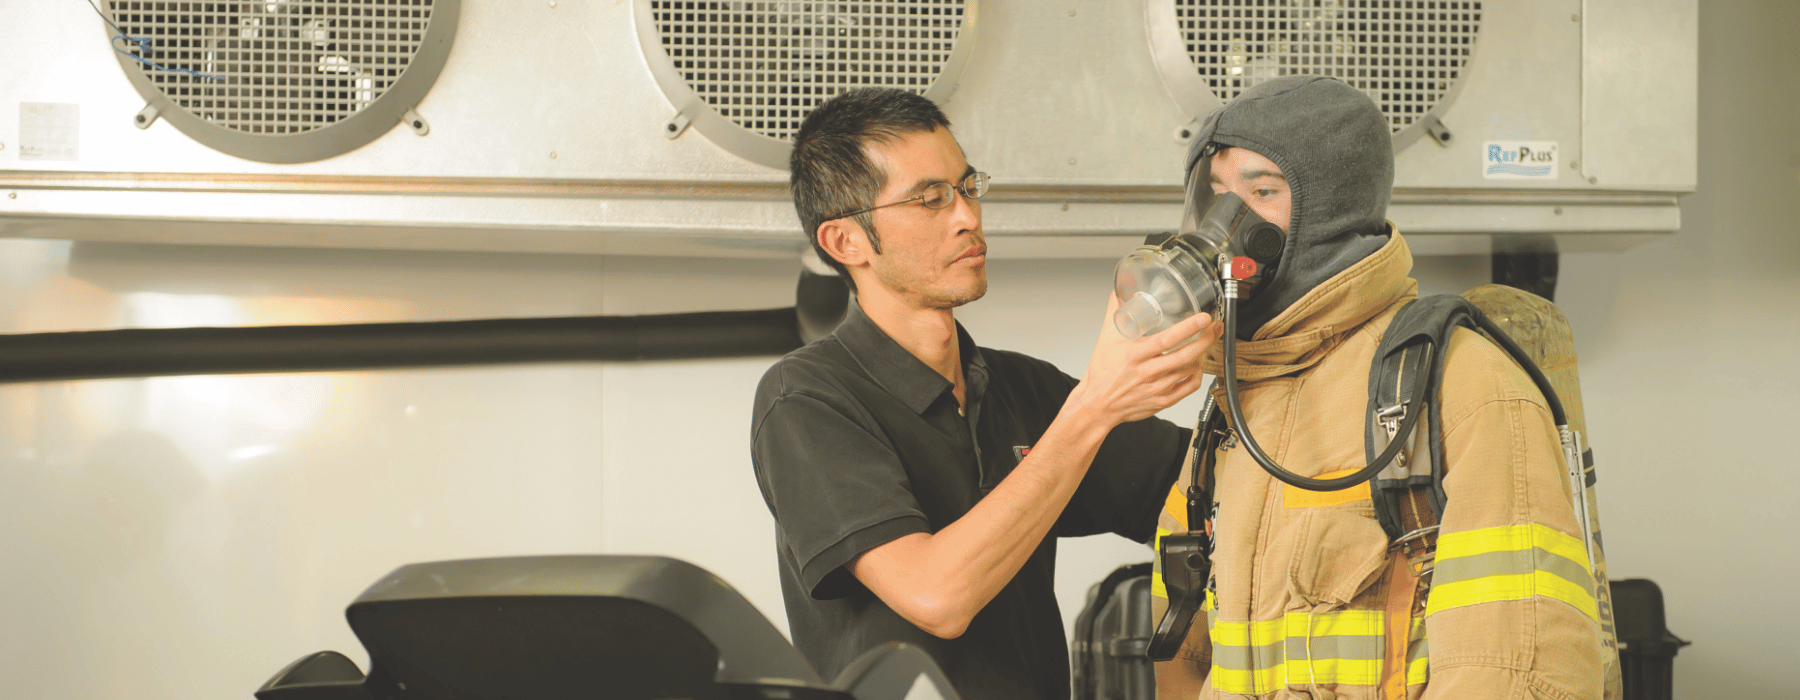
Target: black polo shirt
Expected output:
[856,443]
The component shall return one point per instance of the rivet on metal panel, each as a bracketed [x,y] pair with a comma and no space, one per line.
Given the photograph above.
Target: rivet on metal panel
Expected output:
[147,116]
[676,125]
[1071,13]
[1574,165]
[1065,206]
[553,155]
[2,146]
[416,122]
[12,195]
[1071,161]
[1574,18]
[1593,180]
[1559,211]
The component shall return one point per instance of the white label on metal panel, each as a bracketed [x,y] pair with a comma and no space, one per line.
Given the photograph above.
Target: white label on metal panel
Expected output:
[1519,160]
[49,131]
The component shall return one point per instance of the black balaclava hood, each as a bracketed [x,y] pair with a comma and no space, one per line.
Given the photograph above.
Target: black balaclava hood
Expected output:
[1333,145]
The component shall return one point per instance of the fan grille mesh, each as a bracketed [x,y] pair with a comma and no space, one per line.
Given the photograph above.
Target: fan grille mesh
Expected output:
[765,65]
[283,66]
[1404,54]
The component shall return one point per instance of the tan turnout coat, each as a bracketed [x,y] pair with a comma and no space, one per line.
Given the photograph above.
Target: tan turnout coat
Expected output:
[1302,577]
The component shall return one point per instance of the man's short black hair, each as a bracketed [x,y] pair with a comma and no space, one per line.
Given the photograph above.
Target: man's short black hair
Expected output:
[830,170]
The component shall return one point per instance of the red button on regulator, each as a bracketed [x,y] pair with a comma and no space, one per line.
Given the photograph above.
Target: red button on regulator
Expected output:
[1242,268]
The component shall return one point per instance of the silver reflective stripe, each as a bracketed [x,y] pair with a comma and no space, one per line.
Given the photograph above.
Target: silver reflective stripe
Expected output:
[1469,568]
[1243,658]
[1336,647]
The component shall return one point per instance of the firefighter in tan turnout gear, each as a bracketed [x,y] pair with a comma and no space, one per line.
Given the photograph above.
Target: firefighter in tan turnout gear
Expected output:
[1308,596]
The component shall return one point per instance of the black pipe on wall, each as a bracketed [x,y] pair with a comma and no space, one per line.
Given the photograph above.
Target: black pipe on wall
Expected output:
[147,352]
[1527,262]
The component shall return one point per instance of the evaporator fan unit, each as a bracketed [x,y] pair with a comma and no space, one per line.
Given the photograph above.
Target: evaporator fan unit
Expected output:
[1407,55]
[283,81]
[746,74]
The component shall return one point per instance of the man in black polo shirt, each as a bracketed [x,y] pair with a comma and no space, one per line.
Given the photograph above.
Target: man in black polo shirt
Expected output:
[914,477]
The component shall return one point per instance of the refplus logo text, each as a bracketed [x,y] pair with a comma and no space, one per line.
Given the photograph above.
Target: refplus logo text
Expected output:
[1519,160]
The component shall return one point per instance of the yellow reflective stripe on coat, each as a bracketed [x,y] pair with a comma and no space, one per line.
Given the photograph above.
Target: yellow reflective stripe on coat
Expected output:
[1418,667]
[1340,647]
[1513,562]
[1175,504]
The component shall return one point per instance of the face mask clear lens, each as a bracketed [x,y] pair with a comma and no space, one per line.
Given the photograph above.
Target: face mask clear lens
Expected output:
[1160,285]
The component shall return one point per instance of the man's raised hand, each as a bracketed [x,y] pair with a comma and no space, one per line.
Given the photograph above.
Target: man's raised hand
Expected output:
[1129,380]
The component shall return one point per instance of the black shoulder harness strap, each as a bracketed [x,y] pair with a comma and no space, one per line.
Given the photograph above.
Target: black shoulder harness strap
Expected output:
[1409,493]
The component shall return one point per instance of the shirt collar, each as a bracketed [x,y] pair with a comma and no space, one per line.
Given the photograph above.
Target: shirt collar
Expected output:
[898,371]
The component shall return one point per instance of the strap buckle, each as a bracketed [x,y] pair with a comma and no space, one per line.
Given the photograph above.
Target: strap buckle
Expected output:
[1389,418]
[1421,554]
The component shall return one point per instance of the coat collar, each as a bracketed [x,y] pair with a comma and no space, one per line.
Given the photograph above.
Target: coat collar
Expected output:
[1309,329]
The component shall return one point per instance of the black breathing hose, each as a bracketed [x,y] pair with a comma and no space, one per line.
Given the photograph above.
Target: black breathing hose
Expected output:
[1236,411]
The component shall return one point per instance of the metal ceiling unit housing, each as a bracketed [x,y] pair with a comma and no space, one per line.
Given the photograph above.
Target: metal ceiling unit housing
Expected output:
[1406,55]
[746,74]
[283,81]
[570,127]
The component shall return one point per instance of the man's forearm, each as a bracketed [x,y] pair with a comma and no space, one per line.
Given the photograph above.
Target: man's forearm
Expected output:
[939,581]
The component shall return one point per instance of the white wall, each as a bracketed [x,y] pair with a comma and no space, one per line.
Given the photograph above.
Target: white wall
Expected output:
[186,537]
[1688,364]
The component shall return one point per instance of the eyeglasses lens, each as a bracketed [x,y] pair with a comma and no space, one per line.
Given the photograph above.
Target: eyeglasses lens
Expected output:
[937,196]
[940,195]
[975,185]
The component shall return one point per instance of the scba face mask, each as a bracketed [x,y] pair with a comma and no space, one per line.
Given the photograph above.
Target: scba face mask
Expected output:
[1159,285]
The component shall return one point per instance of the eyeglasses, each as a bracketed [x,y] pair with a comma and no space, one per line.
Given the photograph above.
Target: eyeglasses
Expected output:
[938,195]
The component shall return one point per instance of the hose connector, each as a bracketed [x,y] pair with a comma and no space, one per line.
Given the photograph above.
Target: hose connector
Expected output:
[1227,281]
